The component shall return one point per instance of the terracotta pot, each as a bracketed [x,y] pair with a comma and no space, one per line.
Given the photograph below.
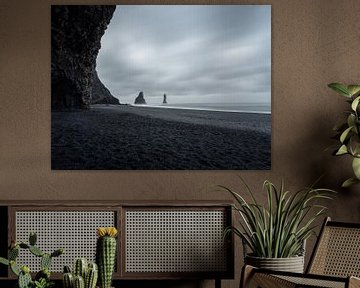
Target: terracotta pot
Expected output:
[291,264]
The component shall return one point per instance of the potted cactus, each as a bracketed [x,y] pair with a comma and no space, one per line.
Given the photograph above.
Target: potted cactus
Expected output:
[84,275]
[42,278]
[106,254]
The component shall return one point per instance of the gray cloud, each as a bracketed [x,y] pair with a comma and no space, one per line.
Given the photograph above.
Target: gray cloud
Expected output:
[194,54]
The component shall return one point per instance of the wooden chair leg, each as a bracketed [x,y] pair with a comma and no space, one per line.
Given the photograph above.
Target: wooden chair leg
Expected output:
[246,274]
[217,283]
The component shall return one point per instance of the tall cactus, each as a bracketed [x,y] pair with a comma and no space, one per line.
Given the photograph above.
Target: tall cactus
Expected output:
[106,254]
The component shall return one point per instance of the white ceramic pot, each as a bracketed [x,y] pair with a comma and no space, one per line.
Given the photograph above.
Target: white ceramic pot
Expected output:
[291,264]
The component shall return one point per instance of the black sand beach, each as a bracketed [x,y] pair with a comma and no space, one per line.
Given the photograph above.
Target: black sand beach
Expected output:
[141,138]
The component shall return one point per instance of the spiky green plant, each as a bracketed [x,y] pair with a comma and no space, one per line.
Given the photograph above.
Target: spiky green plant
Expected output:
[42,278]
[85,274]
[279,229]
[106,254]
[348,132]
[91,275]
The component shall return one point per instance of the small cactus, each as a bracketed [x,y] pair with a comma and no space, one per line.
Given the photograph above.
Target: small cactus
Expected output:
[57,252]
[24,278]
[45,261]
[91,276]
[14,268]
[106,254]
[13,253]
[80,268]
[32,238]
[36,251]
[89,272]
[68,280]
[79,282]
[67,269]
[44,273]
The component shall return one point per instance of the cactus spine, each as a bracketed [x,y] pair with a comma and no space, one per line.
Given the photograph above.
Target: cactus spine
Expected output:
[106,254]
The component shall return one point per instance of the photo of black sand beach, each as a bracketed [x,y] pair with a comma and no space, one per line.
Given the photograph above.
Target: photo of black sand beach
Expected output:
[161,87]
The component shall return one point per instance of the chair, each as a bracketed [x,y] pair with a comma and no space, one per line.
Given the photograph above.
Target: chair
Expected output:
[335,262]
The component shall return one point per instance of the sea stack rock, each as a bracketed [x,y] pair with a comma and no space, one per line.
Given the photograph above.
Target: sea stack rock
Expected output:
[100,94]
[76,31]
[164,101]
[140,99]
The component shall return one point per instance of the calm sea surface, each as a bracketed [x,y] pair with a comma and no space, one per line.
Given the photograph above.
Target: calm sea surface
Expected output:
[249,108]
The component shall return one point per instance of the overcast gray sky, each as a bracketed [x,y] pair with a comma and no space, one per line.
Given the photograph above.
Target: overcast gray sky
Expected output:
[194,54]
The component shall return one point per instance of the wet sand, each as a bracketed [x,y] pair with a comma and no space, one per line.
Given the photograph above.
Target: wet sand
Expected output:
[141,138]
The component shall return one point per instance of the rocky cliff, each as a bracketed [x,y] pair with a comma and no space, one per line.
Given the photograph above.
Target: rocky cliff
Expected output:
[140,99]
[100,94]
[76,31]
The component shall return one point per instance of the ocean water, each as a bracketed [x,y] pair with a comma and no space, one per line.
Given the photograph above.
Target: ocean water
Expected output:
[263,108]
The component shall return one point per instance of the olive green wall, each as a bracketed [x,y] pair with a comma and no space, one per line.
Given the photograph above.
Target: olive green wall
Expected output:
[314,42]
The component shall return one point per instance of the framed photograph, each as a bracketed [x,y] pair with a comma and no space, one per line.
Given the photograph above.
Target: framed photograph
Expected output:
[161,87]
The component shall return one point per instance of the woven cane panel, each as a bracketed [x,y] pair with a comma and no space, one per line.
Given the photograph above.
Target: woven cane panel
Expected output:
[175,241]
[306,282]
[338,253]
[75,231]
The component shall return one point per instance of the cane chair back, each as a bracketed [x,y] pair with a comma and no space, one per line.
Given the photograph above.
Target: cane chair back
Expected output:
[335,262]
[337,252]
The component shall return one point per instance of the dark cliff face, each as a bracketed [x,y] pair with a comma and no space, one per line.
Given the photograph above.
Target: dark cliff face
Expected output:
[76,32]
[100,94]
[140,99]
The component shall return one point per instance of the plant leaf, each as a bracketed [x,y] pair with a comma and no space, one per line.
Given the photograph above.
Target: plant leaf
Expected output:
[356,167]
[351,120]
[353,89]
[349,182]
[345,134]
[4,261]
[355,103]
[342,150]
[340,88]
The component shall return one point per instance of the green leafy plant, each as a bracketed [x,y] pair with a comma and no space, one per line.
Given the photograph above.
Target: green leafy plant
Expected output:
[43,283]
[279,229]
[348,132]
[42,278]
